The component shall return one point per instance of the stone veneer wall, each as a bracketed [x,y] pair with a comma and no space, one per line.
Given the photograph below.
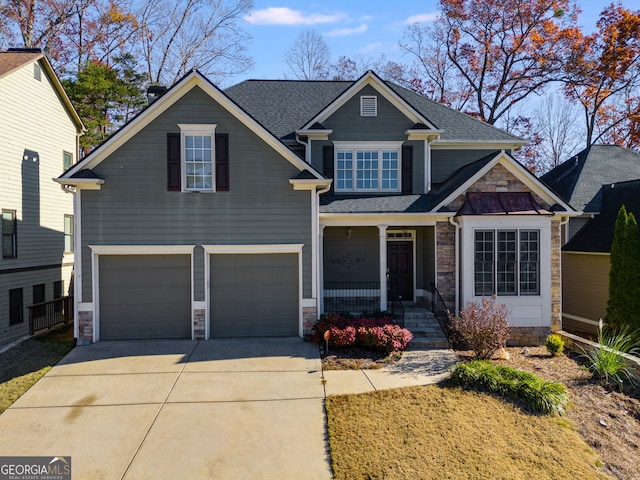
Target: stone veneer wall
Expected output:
[85,328]
[521,336]
[198,324]
[498,179]
[309,318]
[446,262]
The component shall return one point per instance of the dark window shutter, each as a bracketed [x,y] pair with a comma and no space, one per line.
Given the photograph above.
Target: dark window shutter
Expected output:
[407,168]
[222,162]
[173,162]
[327,162]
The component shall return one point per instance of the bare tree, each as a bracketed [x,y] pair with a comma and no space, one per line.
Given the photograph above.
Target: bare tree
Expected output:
[177,36]
[309,56]
[557,121]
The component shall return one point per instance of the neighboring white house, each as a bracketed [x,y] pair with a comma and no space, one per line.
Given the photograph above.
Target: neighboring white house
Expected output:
[39,131]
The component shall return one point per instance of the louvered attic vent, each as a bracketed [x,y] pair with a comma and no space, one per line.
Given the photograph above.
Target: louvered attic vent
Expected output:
[368,106]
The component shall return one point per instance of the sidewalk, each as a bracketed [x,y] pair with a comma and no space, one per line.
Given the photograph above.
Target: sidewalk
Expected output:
[416,367]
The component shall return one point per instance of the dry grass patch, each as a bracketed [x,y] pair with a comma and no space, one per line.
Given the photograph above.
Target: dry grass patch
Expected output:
[24,364]
[434,433]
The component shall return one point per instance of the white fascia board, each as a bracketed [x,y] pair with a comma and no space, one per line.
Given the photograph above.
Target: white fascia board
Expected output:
[81,183]
[423,134]
[521,174]
[370,78]
[253,249]
[309,184]
[314,134]
[194,79]
[142,249]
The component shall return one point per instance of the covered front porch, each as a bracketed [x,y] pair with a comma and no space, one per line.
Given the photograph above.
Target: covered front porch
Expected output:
[368,268]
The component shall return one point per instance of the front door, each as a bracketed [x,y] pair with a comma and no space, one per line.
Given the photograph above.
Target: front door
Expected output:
[400,266]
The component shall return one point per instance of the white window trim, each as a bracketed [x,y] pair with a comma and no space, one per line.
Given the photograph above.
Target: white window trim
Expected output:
[370,146]
[203,129]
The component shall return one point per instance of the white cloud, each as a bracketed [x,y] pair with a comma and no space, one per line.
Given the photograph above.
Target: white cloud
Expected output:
[420,18]
[343,32]
[287,16]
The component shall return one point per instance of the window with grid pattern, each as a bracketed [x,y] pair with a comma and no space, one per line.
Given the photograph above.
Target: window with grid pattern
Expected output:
[507,262]
[364,169]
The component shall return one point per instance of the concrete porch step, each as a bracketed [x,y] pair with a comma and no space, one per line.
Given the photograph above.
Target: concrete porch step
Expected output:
[425,342]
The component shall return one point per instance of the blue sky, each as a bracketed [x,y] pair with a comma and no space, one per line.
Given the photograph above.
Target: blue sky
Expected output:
[350,27]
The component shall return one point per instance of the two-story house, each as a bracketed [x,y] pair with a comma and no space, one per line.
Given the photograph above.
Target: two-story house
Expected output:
[249,212]
[39,131]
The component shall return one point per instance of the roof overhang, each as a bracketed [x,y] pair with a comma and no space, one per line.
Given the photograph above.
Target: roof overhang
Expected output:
[310,184]
[81,183]
[522,174]
[440,144]
[423,134]
[370,78]
[315,134]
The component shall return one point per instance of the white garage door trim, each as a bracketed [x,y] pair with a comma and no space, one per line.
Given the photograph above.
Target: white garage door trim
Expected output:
[98,250]
[250,250]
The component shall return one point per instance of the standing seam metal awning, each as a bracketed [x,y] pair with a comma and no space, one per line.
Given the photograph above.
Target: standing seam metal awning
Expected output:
[501,203]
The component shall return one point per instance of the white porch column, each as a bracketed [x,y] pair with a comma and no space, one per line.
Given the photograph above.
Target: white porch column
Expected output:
[382,231]
[321,270]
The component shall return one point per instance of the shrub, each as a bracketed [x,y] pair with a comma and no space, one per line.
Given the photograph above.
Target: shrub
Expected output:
[380,333]
[483,326]
[539,395]
[606,361]
[554,344]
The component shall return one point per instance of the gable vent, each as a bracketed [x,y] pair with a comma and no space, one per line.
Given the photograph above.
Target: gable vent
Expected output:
[368,106]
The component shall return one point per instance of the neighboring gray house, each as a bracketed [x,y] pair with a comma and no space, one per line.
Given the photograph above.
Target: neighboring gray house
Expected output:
[39,131]
[249,212]
[579,179]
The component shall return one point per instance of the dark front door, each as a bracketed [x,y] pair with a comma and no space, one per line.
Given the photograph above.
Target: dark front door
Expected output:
[400,266]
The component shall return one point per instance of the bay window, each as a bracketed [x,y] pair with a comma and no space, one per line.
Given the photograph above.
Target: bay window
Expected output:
[506,262]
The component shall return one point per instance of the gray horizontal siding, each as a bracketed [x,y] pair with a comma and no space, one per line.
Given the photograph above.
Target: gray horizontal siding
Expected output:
[134,207]
[445,162]
[363,246]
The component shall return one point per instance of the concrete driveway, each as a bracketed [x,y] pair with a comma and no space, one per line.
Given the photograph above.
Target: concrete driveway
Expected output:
[217,409]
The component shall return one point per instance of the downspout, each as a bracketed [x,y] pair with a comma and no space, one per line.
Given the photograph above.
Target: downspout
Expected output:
[453,222]
[307,150]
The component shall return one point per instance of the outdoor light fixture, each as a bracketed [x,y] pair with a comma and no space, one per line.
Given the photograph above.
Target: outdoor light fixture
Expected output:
[348,232]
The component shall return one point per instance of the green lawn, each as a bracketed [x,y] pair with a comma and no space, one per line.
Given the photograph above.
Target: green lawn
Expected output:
[24,364]
[435,432]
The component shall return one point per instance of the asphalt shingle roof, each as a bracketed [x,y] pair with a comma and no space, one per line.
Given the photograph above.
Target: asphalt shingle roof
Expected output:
[597,234]
[10,60]
[283,106]
[579,179]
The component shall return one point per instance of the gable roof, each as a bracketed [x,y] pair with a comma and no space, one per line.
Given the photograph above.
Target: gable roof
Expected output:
[172,95]
[284,106]
[15,58]
[597,234]
[437,200]
[579,179]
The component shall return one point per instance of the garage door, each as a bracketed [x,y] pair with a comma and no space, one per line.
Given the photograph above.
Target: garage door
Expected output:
[254,295]
[145,296]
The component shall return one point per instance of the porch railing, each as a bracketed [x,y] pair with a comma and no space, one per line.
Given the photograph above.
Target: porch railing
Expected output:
[441,311]
[352,297]
[47,314]
[397,308]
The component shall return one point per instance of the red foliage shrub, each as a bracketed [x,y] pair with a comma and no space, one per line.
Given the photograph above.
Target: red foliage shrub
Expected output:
[372,333]
[483,326]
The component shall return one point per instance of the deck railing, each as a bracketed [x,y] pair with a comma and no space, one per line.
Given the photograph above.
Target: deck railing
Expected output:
[48,314]
[352,297]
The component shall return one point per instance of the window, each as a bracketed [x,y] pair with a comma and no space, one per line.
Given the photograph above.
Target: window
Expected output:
[198,157]
[58,287]
[368,167]
[68,233]
[15,306]
[506,262]
[67,160]
[9,234]
[39,294]
[369,106]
